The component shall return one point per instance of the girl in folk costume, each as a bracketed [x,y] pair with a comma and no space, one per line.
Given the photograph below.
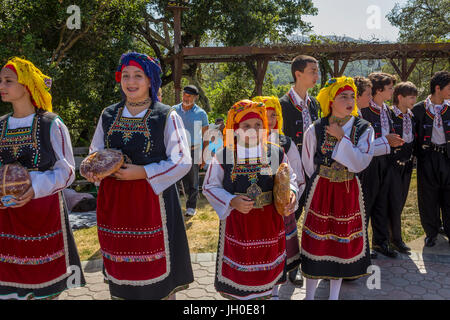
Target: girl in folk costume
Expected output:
[336,147]
[239,184]
[275,124]
[37,248]
[140,226]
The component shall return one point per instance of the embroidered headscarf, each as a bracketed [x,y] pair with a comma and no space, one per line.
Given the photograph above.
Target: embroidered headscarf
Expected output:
[149,65]
[272,103]
[37,83]
[331,89]
[244,110]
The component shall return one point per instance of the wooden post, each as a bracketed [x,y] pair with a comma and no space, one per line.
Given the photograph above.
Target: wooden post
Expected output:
[261,69]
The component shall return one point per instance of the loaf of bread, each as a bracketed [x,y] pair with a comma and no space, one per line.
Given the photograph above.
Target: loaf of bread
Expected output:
[282,190]
[102,163]
[14,182]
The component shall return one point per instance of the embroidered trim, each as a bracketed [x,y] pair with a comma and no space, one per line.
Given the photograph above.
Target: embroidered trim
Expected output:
[31,261]
[256,243]
[256,267]
[364,231]
[24,238]
[134,258]
[334,218]
[167,255]
[330,236]
[128,232]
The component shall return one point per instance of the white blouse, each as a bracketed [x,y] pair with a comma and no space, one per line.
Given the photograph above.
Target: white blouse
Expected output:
[218,197]
[438,134]
[165,173]
[355,158]
[62,174]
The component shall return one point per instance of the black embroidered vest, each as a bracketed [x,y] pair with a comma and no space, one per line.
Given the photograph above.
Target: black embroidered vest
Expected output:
[326,143]
[29,146]
[293,119]
[424,127]
[373,116]
[405,152]
[238,177]
[140,139]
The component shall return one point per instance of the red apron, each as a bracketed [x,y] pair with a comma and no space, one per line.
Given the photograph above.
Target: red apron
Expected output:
[132,232]
[333,225]
[33,244]
[253,249]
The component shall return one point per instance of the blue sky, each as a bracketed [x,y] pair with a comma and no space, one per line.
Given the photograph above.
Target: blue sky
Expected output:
[350,17]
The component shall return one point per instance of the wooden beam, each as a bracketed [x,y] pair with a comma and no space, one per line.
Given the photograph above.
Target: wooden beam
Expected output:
[396,68]
[344,65]
[411,67]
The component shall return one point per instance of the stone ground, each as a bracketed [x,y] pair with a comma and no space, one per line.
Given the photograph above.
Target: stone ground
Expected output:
[423,275]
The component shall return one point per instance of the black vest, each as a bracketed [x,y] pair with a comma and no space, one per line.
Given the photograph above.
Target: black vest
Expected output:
[373,116]
[293,119]
[405,152]
[30,146]
[424,127]
[141,140]
[325,147]
[239,177]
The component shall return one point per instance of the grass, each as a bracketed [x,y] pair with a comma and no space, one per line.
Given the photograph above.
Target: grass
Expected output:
[203,228]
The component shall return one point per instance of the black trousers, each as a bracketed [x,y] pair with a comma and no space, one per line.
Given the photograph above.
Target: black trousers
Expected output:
[400,180]
[375,184]
[191,182]
[433,192]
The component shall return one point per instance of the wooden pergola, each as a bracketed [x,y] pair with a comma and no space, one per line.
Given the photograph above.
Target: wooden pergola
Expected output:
[403,57]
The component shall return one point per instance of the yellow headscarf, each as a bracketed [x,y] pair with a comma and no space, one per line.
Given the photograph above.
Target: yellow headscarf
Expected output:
[272,102]
[239,110]
[328,93]
[37,83]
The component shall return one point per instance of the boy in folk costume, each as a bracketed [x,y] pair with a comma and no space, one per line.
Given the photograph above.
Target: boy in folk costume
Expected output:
[140,226]
[251,257]
[375,179]
[336,148]
[401,160]
[37,248]
[299,110]
[433,157]
[275,123]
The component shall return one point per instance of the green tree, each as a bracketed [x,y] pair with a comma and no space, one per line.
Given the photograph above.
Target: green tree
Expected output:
[80,61]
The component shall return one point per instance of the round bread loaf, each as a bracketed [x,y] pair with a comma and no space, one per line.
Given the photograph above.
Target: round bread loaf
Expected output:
[102,163]
[14,182]
[281,189]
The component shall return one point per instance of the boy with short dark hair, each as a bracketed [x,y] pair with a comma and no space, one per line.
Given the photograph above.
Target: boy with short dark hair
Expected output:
[401,159]
[364,92]
[433,157]
[375,182]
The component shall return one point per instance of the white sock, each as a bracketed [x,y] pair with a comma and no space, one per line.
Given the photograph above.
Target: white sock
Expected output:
[311,286]
[335,287]
[275,292]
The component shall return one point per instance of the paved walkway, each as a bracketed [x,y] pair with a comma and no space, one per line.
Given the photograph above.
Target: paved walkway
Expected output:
[421,275]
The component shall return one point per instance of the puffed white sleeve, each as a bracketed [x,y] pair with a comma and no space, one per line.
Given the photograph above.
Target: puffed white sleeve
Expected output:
[97,142]
[293,181]
[214,192]
[355,158]
[297,166]
[308,150]
[62,174]
[165,173]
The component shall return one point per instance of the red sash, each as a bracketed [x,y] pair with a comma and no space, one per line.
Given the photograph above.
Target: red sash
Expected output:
[334,222]
[33,244]
[253,249]
[132,232]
